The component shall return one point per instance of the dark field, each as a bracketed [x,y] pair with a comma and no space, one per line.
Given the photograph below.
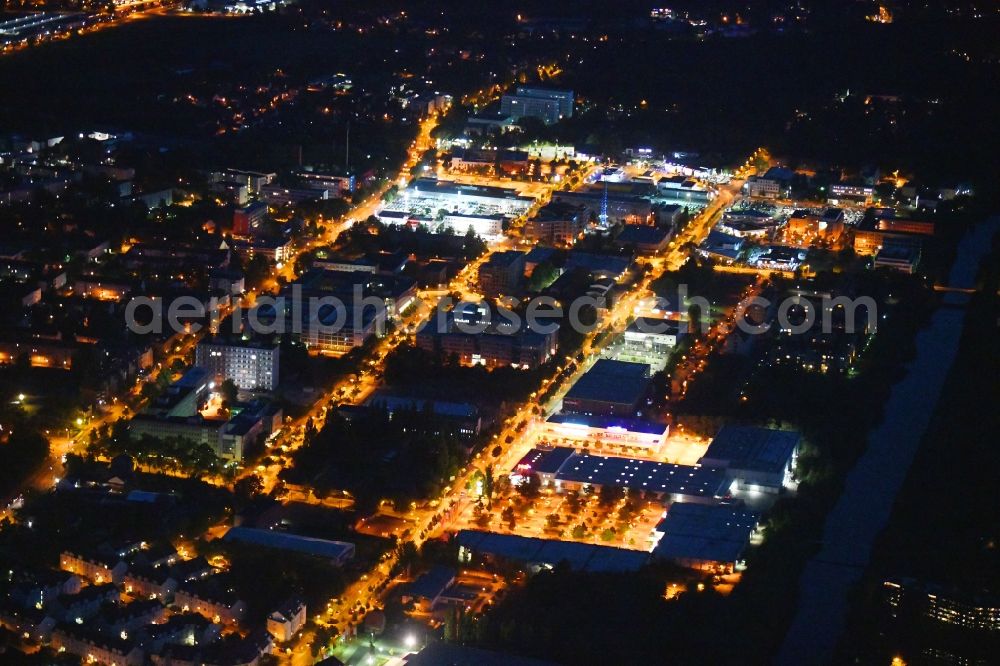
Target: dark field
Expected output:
[128,76]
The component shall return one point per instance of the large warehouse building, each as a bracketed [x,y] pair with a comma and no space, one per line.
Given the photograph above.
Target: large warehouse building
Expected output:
[565,469]
[610,388]
[757,459]
[702,536]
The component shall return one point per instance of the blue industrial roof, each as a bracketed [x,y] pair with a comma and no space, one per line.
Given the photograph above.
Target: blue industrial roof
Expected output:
[579,556]
[432,583]
[612,381]
[598,263]
[713,533]
[752,448]
[648,475]
[336,550]
[393,403]
[642,234]
[545,461]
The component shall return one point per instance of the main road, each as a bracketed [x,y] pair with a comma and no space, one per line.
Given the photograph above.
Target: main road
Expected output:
[432,519]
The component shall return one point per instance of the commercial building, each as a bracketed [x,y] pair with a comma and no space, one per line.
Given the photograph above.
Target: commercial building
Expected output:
[777,257]
[721,247]
[488,227]
[650,340]
[757,459]
[747,223]
[588,472]
[610,388]
[250,363]
[502,272]
[504,161]
[549,106]
[479,124]
[682,188]
[434,195]
[637,436]
[704,536]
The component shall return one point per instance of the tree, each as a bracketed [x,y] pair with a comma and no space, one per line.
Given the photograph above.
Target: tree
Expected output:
[542,276]
[530,487]
[509,517]
[609,495]
[249,487]
[229,391]
[257,270]
[488,485]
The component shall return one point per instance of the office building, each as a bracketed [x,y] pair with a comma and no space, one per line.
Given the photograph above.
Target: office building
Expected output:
[248,220]
[251,364]
[475,336]
[774,184]
[947,605]
[502,272]
[549,106]
[557,224]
